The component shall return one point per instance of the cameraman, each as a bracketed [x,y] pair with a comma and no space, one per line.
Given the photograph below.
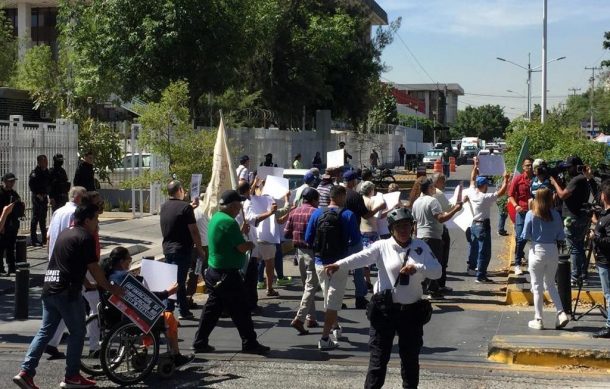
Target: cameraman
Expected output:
[576,197]
[601,241]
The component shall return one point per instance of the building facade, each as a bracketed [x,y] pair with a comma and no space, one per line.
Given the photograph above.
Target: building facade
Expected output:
[437,102]
[34,22]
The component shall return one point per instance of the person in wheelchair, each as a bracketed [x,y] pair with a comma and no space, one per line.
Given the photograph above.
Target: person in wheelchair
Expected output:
[116,267]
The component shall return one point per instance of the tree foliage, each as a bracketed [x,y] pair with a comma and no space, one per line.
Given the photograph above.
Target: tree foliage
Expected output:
[8,49]
[104,142]
[384,111]
[606,45]
[38,73]
[551,141]
[486,122]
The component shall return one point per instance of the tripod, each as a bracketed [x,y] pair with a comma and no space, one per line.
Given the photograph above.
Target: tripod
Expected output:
[579,283]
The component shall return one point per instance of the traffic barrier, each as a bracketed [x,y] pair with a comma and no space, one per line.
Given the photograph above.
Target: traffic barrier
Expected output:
[438,166]
[562,277]
[21,249]
[22,290]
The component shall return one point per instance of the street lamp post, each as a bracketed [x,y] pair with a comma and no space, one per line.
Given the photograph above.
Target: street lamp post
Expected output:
[529,71]
[543,102]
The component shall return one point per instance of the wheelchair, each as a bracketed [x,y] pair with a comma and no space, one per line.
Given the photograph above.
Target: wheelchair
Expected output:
[127,355]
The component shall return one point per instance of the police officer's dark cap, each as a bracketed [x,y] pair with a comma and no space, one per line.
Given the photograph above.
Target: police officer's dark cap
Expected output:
[9,177]
[230,196]
[58,157]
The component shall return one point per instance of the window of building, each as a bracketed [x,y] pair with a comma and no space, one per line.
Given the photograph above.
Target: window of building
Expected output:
[44,27]
[11,14]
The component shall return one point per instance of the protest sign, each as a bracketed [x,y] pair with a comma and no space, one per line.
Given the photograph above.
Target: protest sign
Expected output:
[276,187]
[463,219]
[392,199]
[491,165]
[335,158]
[159,275]
[139,304]
[263,171]
[195,185]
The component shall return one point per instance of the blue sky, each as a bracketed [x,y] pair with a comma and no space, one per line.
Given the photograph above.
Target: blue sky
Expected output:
[459,40]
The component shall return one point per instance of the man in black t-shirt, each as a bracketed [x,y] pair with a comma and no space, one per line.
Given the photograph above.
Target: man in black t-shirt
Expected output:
[575,197]
[8,234]
[179,230]
[73,255]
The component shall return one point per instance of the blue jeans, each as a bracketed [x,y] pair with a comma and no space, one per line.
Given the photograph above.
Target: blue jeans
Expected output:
[359,283]
[183,260]
[55,308]
[502,221]
[575,237]
[519,243]
[604,277]
[446,170]
[480,248]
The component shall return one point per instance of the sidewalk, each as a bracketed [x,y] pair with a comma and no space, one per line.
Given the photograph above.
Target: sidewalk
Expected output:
[140,236]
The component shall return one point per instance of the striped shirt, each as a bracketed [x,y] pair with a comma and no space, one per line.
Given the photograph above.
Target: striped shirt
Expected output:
[297,225]
[324,191]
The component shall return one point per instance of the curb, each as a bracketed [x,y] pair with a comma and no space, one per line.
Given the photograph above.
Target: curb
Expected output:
[548,351]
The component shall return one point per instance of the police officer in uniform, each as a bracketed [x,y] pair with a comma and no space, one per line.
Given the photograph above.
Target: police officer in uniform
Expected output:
[59,186]
[8,234]
[397,306]
[39,186]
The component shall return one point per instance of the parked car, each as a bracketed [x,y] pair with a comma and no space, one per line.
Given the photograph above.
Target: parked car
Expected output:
[124,169]
[431,156]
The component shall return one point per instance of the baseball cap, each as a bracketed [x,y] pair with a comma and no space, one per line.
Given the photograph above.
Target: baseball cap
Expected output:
[9,177]
[573,161]
[482,181]
[310,194]
[350,175]
[244,159]
[309,177]
[230,196]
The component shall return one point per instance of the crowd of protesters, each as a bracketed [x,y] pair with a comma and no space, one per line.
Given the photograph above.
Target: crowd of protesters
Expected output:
[337,226]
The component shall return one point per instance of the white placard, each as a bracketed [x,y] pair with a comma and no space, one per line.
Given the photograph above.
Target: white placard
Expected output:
[276,187]
[259,204]
[263,171]
[463,219]
[491,165]
[195,185]
[335,158]
[159,275]
[457,195]
[392,199]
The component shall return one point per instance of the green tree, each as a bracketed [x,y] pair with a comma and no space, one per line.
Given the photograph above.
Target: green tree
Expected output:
[606,45]
[104,142]
[384,111]
[486,122]
[38,73]
[167,132]
[551,141]
[8,49]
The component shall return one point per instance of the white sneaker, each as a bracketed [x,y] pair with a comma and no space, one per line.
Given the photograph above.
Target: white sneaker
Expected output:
[562,320]
[337,332]
[327,344]
[518,270]
[535,324]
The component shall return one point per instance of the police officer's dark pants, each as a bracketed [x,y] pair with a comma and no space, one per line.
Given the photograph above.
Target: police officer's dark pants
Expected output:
[444,260]
[39,217]
[60,201]
[226,292]
[407,325]
[250,279]
[7,246]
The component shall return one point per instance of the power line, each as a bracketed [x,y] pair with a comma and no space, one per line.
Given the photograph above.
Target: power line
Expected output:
[511,96]
[414,57]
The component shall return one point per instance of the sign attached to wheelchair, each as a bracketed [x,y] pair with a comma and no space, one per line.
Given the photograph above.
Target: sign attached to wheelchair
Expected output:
[139,304]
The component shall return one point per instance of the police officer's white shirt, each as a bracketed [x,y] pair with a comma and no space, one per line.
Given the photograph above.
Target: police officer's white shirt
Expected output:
[61,219]
[388,255]
[481,203]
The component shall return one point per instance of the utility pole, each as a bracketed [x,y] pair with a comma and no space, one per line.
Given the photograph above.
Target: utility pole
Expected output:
[543,103]
[592,79]
[573,90]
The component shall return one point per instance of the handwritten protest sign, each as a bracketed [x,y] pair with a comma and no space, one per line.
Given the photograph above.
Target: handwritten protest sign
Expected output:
[139,304]
[159,275]
[195,185]
[335,158]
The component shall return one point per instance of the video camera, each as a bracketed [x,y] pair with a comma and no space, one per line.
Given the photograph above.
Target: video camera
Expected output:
[553,169]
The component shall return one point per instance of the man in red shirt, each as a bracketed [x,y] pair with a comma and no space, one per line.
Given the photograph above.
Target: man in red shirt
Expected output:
[518,195]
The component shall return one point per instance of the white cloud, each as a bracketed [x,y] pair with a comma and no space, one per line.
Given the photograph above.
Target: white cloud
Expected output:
[484,17]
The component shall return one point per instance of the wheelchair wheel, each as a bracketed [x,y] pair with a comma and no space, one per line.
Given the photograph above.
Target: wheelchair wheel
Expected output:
[128,355]
[90,362]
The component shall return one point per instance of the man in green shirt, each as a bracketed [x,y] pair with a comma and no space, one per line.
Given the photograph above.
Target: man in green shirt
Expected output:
[227,254]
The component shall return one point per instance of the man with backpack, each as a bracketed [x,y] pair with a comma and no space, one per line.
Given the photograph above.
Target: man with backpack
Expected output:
[329,233]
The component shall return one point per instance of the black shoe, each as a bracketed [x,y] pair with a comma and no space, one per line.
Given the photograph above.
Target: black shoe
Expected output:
[445,289]
[203,349]
[369,286]
[436,294]
[54,353]
[36,243]
[604,333]
[502,233]
[186,316]
[484,280]
[361,303]
[94,354]
[256,349]
[181,360]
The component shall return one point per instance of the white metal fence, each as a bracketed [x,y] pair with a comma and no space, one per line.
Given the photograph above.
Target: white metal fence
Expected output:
[21,142]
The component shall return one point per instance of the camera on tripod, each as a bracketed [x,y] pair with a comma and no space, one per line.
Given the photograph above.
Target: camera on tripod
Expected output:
[553,169]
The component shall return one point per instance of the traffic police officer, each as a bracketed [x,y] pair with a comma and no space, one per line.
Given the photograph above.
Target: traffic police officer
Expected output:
[59,185]
[396,307]
[39,186]
[8,235]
